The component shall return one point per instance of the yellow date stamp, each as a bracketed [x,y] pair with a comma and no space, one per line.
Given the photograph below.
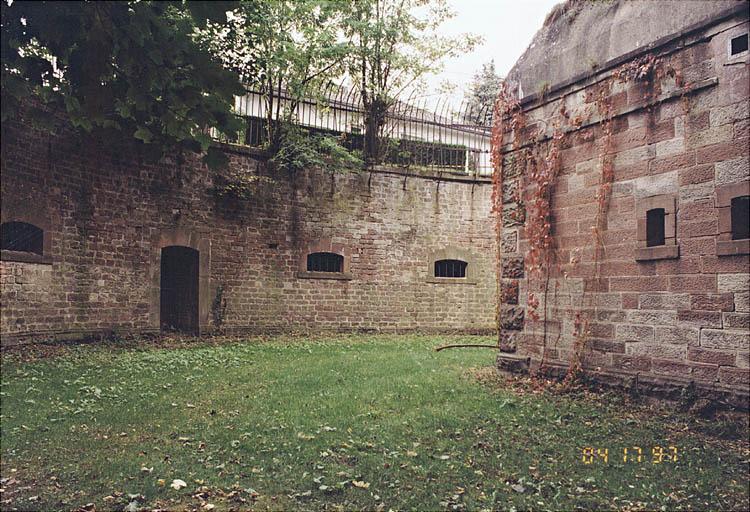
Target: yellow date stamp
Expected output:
[630,455]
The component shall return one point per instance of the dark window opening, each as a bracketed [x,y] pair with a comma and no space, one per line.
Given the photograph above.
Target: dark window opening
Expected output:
[738,44]
[22,237]
[655,227]
[325,262]
[740,217]
[450,268]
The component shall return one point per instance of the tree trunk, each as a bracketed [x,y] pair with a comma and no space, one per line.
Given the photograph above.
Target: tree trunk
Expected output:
[375,117]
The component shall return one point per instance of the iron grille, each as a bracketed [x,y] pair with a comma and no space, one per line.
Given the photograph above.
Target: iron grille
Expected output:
[450,268]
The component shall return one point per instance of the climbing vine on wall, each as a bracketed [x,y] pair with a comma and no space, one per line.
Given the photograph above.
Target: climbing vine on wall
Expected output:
[540,152]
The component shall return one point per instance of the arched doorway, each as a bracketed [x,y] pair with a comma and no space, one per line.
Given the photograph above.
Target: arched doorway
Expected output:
[179,289]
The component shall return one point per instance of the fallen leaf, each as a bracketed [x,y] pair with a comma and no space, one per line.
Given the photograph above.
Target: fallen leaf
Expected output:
[518,487]
[361,484]
[177,484]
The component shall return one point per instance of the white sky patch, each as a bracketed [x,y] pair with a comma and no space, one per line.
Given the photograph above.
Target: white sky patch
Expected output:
[507,26]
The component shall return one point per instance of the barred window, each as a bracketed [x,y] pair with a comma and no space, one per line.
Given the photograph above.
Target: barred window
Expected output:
[450,268]
[325,262]
[21,237]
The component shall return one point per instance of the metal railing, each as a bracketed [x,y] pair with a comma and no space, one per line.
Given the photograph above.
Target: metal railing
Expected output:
[413,136]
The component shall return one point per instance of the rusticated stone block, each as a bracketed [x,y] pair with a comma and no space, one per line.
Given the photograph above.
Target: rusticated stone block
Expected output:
[631,363]
[509,242]
[736,320]
[717,357]
[657,350]
[742,302]
[670,367]
[513,215]
[624,332]
[711,301]
[513,267]
[509,292]
[707,372]
[511,318]
[511,169]
[724,339]
[510,191]
[734,282]
[700,318]
[509,364]
[614,347]
[677,335]
[734,376]
[508,341]
[664,301]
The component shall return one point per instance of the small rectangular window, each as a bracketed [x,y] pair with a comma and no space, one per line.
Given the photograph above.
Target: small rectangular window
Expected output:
[738,44]
[655,227]
[450,268]
[325,262]
[740,213]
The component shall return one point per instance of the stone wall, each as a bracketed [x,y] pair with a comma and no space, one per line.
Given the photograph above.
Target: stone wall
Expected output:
[580,36]
[666,316]
[107,214]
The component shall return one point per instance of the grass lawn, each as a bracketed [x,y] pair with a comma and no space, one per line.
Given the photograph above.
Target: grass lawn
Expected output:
[360,422]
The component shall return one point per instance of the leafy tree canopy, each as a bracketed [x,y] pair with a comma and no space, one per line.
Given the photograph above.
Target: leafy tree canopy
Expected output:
[283,49]
[483,90]
[132,69]
[394,44]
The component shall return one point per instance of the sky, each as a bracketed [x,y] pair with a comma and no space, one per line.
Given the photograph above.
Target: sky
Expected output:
[507,26]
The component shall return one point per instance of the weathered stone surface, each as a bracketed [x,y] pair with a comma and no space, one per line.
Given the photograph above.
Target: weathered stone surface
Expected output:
[718,357]
[510,364]
[733,171]
[673,312]
[676,335]
[742,302]
[513,267]
[664,301]
[107,214]
[724,339]
[509,242]
[635,333]
[734,282]
[509,292]
[513,215]
[511,318]
[660,350]
[508,341]
[736,320]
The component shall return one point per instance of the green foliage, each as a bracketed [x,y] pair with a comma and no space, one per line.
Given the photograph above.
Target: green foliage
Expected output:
[238,184]
[393,45]
[284,49]
[483,91]
[293,423]
[301,150]
[127,69]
